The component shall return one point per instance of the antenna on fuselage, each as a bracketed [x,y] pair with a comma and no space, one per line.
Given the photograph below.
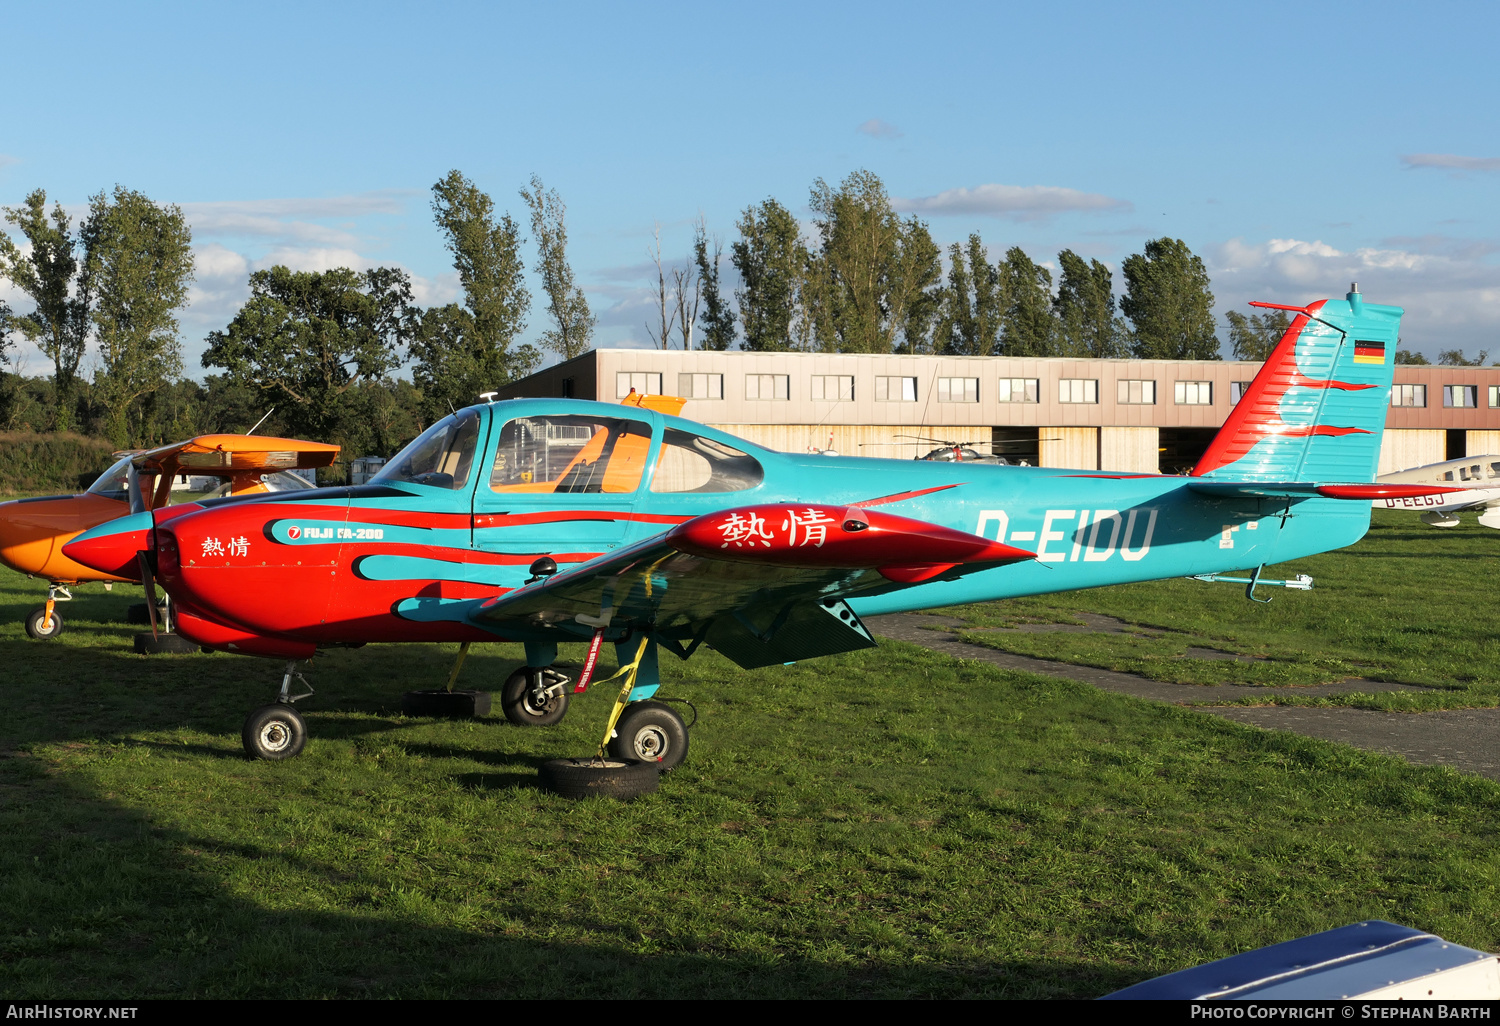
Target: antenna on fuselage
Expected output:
[262,420]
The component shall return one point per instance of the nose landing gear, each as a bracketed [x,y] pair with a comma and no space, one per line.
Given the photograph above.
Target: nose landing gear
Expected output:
[276,732]
[44,623]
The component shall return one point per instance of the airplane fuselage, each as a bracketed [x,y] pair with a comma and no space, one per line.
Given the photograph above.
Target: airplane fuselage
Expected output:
[408,560]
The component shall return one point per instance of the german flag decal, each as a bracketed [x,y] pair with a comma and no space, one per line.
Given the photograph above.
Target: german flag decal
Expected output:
[1369,352]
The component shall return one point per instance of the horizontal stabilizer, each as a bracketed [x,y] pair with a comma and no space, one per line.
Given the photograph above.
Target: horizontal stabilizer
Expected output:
[1313,490]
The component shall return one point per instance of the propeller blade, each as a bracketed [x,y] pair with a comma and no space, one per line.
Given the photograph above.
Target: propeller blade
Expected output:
[149,581]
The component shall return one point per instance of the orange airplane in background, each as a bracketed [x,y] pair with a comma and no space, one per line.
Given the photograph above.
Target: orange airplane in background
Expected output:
[33,531]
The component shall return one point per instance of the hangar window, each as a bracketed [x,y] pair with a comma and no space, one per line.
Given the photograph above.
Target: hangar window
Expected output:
[893,389]
[1237,390]
[1194,393]
[441,456]
[767,386]
[1494,396]
[700,386]
[1464,397]
[1137,393]
[958,390]
[1408,395]
[1077,390]
[638,382]
[692,463]
[833,387]
[1017,390]
[577,454]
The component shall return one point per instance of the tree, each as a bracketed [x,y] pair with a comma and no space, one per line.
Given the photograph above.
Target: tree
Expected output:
[969,324]
[1085,309]
[718,318]
[661,336]
[914,291]
[1253,337]
[1410,358]
[461,351]
[138,257]
[309,340]
[861,236]
[59,326]
[1027,325]
[1455,358]
[772,262]
[1169,303]
[565,302]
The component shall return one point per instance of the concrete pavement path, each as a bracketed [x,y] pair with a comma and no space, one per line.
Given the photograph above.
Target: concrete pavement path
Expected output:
[1466,739]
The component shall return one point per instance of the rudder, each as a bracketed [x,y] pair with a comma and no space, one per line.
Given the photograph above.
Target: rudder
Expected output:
[1317,409]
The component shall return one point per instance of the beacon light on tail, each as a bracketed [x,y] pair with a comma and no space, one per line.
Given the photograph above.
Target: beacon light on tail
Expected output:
[548,521]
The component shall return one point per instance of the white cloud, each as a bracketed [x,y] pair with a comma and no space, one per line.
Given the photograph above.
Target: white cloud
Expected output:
[1016,202]
[292,219]
[1452,297]
[6,160]
[1450,162]
[877,129]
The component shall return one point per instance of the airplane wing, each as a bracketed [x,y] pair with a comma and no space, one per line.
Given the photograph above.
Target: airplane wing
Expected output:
[762,584]
[222,455]
[1298,490]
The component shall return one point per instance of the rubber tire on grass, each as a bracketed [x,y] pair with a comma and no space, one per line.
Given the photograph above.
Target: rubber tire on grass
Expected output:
[515,702]
[274,732]
[603,778]
[165,644]
[34,624]
[650,732]
[441,702]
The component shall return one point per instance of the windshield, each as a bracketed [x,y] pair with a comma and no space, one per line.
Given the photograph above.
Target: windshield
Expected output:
[114,483]
[441,456]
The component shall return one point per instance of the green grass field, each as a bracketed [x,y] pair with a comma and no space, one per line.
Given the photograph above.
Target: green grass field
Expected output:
[887,823]
[1410,604]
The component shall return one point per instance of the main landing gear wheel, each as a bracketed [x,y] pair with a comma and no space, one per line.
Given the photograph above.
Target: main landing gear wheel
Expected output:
[603,778]
[442,702]
[274,732]
[650,732]
[535,698]
[34,620]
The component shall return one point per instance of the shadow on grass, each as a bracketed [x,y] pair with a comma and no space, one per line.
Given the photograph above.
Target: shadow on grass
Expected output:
[99,901]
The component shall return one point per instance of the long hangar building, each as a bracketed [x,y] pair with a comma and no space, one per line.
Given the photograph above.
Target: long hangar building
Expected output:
[1141,416]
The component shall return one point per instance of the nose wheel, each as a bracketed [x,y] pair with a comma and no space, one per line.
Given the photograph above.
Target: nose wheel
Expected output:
[276,732]
[535,698]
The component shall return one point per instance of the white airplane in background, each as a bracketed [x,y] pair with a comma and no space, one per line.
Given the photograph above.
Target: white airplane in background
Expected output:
[1476,477]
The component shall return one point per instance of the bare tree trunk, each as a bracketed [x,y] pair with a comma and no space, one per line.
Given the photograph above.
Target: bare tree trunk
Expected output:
[662,338]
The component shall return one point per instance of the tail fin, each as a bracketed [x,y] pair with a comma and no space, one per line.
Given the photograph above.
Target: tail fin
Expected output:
[1317,409]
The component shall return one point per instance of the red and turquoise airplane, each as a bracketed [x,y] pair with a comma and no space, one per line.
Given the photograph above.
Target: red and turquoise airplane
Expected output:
[544,521]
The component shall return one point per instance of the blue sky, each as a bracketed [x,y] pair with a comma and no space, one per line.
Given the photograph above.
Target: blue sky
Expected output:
[1295,147]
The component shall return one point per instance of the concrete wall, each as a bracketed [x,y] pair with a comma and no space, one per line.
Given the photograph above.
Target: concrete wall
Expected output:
[1134,450]
[1483,443]
[1077,448]
[1400,450]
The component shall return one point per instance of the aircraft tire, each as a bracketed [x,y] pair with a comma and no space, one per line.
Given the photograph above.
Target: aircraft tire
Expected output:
[274,732]
[441,702]
[34,624]
[165,643]
[650,732]
[523,710]
[622,779]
